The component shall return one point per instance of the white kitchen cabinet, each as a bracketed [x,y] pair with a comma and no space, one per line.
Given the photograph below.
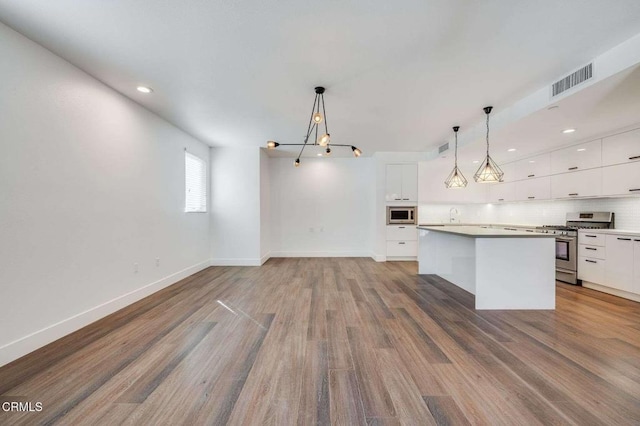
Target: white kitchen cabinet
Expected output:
[402,182]
[636,265]
[621,179]
[501,192]
[533,189]
[586,183]
[619,262]
[594,252]
[402,233]
[533,167]
[591,238]
[591,269]
[577,157]
[507,169]
[622,148]
[403,249]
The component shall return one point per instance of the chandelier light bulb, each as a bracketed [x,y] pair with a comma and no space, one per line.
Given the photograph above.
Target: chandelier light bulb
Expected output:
[317,118]
[297,162]
[324,139]
[328,151]
[272,144]
[356,151]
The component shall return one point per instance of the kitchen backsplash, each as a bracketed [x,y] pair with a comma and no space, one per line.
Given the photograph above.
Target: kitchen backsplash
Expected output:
[627,212]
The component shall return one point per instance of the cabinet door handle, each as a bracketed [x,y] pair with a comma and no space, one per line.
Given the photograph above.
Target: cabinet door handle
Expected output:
[573,194]
[590,248]
[401,242]
[635,157]
[531,198]
[405,199]
[634,190]
[624,239]
[573,168]
[398,199]
[591,236]
[636,240]
[590,261]
[531,176]
[401,227]
[500,199]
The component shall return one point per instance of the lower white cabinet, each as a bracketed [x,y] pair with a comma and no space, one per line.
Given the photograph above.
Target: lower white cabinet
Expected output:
[402,241]
[621,179]
[610,260]
[586,183]
[619,266]
[636,263]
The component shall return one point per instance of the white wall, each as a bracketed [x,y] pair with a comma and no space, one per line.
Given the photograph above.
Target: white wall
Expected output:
[627,212]
[265,207]
[90,183]
[323,208]
[235,205]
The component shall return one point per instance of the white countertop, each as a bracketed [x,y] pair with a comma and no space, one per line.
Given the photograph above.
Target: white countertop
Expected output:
[610,231]
[483,232]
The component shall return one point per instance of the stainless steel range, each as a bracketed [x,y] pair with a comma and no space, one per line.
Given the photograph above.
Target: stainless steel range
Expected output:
[567,240]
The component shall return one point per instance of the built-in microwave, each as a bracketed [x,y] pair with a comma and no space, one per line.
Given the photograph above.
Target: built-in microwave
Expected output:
[401,215]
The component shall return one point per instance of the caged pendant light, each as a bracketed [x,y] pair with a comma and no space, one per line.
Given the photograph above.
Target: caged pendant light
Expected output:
[488,172]
[317,118]
[456,179]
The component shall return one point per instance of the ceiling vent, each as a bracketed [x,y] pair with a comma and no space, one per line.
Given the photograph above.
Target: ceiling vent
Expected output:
[443,148]
[583,74]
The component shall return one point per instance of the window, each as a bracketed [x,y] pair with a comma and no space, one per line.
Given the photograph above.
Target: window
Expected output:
[195,179]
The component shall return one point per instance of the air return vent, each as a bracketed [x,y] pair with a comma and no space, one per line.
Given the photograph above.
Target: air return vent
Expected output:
[443,148]
[583,74]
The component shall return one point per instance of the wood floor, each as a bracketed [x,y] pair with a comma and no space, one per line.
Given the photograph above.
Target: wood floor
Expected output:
[337,341]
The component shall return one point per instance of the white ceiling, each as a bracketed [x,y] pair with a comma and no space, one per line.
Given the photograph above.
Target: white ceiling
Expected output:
[398,74]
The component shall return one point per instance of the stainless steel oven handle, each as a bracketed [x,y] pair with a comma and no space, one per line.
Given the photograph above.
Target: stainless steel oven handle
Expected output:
[566,240]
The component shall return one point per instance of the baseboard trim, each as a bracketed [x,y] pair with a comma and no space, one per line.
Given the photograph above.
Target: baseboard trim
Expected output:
[264,258]
[379,257]
[237,262]
[29,343]
[612,291]
[320,254]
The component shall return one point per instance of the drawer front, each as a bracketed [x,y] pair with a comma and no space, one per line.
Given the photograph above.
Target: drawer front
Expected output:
[591,270]
[402,248]
[592,239]
[402,232]
[596,252]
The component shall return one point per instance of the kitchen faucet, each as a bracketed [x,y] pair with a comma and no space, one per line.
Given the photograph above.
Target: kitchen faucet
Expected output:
[453,211]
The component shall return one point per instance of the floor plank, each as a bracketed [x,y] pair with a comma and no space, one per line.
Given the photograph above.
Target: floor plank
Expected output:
[336,341]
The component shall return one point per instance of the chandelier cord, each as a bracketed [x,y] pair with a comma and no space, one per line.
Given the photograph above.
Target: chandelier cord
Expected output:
[324,113]
[487,135]
[456,151]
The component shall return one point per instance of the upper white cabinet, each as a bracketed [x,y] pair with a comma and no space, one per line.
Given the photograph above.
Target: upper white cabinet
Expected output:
[621,179]
[533,189]
[587,183]
[578,157]
[621,148]
[531,168]
[402,182]
[501,192]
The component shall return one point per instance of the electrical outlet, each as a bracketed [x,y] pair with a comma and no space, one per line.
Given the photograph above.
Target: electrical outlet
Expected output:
[157,262]
[135,268]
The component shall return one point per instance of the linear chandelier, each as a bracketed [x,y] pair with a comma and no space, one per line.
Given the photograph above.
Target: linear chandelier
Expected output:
[315,120]
[456,179]
[488,172]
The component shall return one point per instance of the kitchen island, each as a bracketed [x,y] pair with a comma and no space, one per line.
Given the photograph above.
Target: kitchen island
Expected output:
[504,269]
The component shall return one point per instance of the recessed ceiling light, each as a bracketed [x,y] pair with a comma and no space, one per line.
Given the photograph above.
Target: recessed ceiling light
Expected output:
[319,155]
[568,130]
[476,161]
[582,149]
[144,89]
[511,149]
[532,161]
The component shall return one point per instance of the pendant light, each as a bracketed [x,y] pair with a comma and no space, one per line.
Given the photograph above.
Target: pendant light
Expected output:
[324,140]
[456,179]
[488,172]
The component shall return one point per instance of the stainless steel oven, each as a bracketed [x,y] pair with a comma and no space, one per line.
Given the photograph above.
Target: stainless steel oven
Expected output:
[566,259]
[399,215]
